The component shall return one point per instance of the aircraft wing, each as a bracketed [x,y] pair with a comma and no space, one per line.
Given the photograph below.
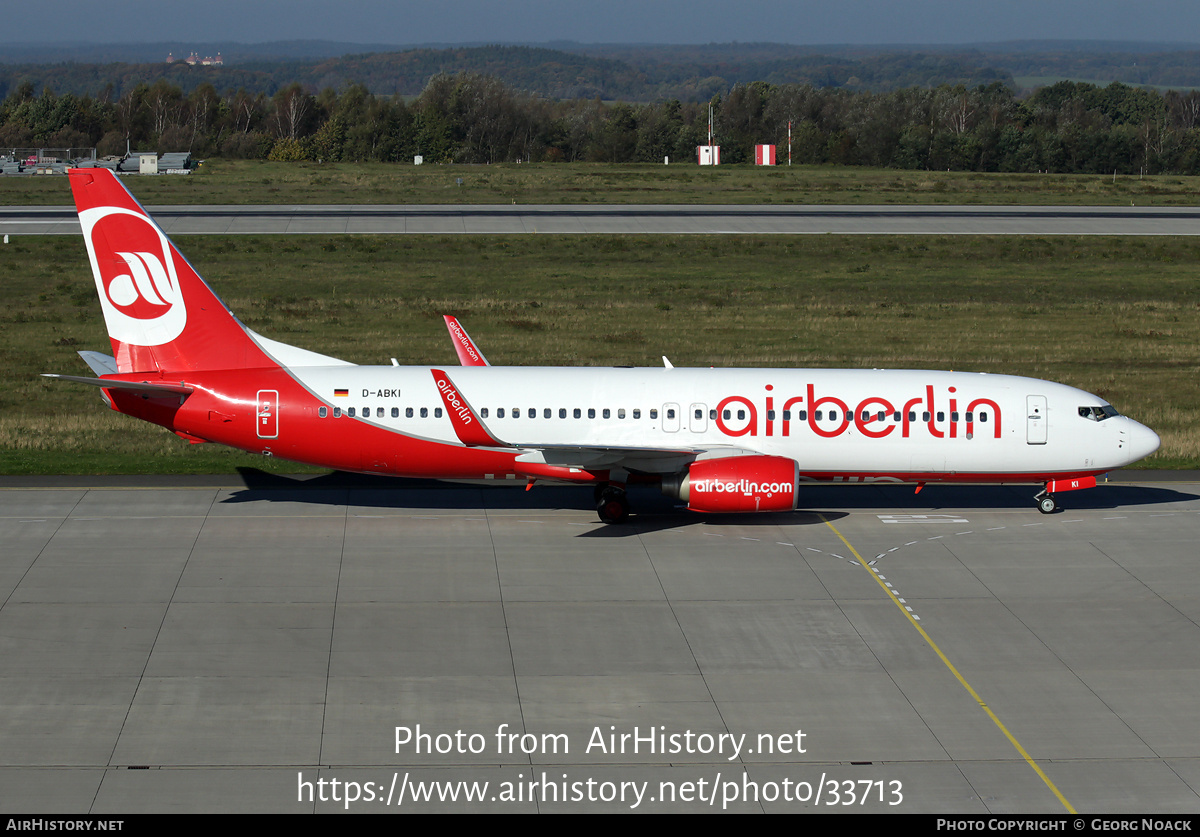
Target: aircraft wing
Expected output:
[646,460]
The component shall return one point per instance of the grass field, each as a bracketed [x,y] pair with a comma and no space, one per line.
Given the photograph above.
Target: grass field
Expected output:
[1119,317]
[256,182]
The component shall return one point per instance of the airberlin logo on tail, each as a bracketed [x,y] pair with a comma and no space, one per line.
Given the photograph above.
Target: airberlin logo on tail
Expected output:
[140,292]
[135,275]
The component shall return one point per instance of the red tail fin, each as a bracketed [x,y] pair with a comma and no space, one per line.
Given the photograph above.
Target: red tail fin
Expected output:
[161,316]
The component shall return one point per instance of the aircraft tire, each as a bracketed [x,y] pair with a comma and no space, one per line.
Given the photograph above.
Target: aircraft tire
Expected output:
[613,506]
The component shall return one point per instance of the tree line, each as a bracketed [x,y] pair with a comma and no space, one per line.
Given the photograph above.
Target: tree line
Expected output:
[475,118]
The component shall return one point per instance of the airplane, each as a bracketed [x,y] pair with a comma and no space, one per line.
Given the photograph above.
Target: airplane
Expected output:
[716,440]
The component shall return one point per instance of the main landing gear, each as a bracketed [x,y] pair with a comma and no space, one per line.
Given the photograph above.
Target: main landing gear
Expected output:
[611,503]
[1046,503]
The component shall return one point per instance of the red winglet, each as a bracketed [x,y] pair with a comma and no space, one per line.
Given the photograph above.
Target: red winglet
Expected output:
[468,352]
[467,425]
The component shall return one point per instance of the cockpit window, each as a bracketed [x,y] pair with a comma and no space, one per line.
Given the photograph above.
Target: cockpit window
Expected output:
[1101,413]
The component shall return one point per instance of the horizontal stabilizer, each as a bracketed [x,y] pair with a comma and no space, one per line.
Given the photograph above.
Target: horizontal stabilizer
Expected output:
[148,387]
[100,363]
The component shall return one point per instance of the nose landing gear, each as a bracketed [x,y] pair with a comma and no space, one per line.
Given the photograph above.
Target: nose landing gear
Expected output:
[1046,503]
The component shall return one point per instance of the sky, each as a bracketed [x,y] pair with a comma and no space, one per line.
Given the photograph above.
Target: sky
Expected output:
[611,21]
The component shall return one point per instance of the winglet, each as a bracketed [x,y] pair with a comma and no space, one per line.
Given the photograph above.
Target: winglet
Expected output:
[468,352]
[467,426]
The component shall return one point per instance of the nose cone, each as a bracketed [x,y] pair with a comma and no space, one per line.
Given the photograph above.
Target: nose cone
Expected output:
[1141,441]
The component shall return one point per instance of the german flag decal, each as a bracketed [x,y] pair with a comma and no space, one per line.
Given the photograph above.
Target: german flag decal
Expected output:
[341,393]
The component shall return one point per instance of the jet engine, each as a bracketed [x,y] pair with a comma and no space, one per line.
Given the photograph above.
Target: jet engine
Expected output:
[751,483]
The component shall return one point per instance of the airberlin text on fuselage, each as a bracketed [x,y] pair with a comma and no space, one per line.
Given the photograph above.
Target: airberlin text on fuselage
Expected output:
[865,415]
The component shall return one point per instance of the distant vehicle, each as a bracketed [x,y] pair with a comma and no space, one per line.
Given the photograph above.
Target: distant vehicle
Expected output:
[719,440]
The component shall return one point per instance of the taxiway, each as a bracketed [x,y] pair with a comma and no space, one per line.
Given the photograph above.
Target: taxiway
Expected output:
[204,644]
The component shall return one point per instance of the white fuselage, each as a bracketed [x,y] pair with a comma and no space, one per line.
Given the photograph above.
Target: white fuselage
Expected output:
[916,422]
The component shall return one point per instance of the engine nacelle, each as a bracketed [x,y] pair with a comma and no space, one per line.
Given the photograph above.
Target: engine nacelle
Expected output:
[737,484]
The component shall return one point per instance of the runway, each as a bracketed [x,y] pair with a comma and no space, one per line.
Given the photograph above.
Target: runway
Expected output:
[209,644]
[635,219]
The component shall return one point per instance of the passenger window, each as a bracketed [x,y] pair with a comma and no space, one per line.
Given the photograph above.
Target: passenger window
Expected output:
[607,413]
[925,416]
[500,412]
[941,416]
[424,412]
[654,413]
[970,417]
[882,415]
[741,415]
[337,412]
[350,412]
[408,412]
[802,415]
[395,412]
[562,412]
[591,412]
[546,413]
[671,413]
[516,412]
[637,414]
[437,412]
[817,415]
[483,413]
[712,415]
[787,415]
[954,416]
[726,414]
[833,415]
[621,413]
[983,417]
[577,413]
[322,412]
